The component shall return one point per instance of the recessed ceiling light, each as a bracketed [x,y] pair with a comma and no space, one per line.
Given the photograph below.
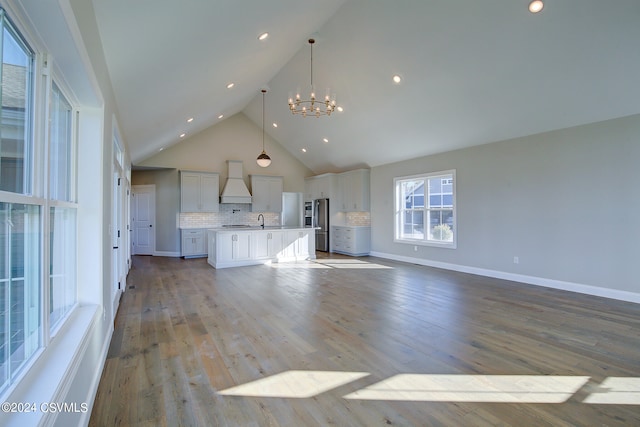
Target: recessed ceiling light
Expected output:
[275,125]
[221,116]
[182,135]
[263,36]
[190,119]
[304,150]
[325,140]
[536,6]
[230,85]
[340,109]
[397,79]
[161,149]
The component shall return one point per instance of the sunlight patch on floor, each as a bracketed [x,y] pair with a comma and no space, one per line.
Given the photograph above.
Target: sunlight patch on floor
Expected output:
[328,263]
[294,384]
[297,384]
[350,263]
[305,265]
[616,390]
[473,388]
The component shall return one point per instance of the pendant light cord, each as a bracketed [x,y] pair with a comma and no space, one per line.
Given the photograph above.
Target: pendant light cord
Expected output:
[263,91]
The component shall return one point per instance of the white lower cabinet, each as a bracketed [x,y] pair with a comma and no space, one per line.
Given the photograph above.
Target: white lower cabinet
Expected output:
[233,246]
[297,244]
[268,244]
[237,248]
[354,241]
[194,243]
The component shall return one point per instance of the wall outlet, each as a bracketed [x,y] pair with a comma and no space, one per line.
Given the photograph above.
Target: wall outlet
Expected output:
[516,260]
[415,248]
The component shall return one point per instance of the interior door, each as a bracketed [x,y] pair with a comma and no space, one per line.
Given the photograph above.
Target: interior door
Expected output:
[117,272]
[143,214]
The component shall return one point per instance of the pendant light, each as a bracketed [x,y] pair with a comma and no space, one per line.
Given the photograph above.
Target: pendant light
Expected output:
[263,159]
[536,6]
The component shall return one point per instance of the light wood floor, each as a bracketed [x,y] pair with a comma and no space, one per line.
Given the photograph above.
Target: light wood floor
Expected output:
[363,342]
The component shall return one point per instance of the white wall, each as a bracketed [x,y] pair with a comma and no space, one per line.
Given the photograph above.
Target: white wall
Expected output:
[69,368]
[235,138]
[565,202]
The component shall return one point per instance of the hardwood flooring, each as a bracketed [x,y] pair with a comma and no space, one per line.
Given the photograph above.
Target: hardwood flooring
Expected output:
[363,342]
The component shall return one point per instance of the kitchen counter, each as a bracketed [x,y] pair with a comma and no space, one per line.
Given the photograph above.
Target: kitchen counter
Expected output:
[251,245]
[245,227]
[258,227]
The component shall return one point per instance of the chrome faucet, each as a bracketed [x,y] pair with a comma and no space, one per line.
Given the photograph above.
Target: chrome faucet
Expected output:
[260,215]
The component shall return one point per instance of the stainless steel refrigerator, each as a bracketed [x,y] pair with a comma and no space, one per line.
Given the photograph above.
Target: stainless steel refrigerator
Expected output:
[321,221]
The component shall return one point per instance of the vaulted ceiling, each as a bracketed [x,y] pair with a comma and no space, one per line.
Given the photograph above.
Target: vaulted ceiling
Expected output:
[473,71]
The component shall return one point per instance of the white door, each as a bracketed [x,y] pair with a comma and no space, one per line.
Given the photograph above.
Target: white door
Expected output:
[143,218]
[116,239]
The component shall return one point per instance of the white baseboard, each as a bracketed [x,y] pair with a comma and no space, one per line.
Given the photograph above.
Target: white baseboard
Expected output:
[167,254]
[530,280]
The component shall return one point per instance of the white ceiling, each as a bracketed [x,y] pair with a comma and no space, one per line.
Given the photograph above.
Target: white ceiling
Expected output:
[474,71]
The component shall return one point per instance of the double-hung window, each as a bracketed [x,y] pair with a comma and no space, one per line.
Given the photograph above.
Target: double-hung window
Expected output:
[62,210]
[20,210]
[37,206]
[425,209]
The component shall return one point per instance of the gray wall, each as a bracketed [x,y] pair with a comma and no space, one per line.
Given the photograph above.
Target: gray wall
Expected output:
[565,202]
[236,138]
[167,182]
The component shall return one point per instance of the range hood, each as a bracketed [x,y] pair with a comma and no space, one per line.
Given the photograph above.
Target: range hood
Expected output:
[235,190]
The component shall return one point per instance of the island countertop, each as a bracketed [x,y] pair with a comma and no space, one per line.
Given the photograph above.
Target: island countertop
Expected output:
[258,228]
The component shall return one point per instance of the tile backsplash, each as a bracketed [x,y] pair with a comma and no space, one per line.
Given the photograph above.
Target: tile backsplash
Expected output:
[229,214]
[362,219]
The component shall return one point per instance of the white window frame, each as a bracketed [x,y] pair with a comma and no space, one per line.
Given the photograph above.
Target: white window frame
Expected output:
[37,192]
[399,210]
[69,204]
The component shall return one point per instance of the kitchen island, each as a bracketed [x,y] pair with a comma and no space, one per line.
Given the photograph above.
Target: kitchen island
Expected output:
[235,247]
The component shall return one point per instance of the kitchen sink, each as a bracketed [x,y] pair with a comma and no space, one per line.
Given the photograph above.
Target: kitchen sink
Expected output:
[237,226]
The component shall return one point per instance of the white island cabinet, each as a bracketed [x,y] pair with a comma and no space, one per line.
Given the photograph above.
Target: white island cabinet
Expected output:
[234,248]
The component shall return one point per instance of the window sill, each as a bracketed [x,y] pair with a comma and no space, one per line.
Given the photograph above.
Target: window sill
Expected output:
[433,244]
[52,372]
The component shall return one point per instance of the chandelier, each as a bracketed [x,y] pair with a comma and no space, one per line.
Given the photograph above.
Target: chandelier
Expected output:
[312,106]
[263,159]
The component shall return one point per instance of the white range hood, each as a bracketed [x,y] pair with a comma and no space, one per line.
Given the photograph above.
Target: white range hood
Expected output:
[235,190]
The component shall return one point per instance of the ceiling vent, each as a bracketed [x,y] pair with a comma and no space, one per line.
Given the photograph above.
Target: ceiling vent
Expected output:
[235,190]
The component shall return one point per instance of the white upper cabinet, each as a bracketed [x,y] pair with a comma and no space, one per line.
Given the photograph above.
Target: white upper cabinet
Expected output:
[353,191]
[199,191]
[266,193]
[320,187]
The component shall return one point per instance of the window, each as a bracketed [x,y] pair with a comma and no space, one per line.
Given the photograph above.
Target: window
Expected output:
[62,264]
[15,133]
[62,216]
[37,211]
[20,287]
[60,146]
[425,209]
